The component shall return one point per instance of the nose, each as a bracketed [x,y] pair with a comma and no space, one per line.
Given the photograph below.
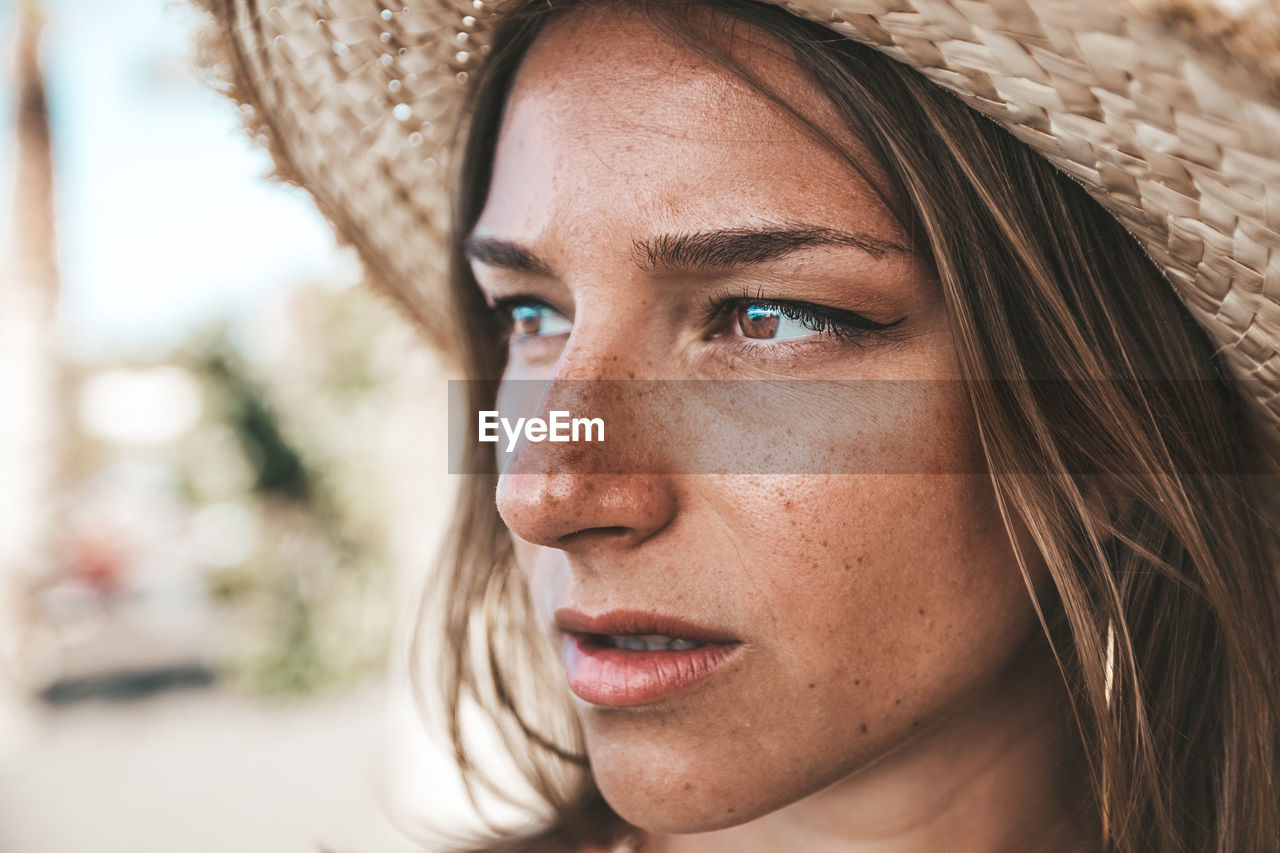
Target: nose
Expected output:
[575,512]
[575,496]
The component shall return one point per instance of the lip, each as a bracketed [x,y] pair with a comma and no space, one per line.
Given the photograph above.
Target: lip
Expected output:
[618,678]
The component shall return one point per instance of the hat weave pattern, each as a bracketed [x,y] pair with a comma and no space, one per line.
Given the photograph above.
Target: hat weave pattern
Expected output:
[1167,112]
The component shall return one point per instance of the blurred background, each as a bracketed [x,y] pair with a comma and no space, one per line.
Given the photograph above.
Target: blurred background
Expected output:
[222,473]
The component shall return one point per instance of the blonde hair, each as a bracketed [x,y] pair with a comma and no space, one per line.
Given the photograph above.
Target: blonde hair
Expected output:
[1109,428]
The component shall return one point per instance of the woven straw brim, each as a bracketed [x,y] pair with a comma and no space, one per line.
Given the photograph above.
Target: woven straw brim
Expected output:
[1168,112]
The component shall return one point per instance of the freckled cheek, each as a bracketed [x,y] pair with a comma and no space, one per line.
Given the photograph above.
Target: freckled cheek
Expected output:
[889,568]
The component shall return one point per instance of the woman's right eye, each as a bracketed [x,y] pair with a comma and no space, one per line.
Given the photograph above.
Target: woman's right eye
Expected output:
[530,318]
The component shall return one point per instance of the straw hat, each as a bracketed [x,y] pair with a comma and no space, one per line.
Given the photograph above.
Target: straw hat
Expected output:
[1168,111]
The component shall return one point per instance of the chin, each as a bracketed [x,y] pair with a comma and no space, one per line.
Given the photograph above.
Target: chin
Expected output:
[683,788]
[687,807]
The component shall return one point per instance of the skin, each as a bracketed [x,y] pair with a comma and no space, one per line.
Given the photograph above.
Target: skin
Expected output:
[892,691]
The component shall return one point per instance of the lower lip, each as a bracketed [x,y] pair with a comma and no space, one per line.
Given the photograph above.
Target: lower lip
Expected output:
[618,678]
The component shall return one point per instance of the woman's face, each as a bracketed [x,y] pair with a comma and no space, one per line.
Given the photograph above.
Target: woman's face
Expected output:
[652,216]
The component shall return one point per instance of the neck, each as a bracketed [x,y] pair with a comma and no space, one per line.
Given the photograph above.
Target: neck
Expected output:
[1000,773]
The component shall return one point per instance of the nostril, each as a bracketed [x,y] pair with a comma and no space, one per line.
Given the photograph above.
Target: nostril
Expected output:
[599,533]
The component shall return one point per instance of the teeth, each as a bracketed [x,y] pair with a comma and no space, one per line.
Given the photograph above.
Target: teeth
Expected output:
[651,643]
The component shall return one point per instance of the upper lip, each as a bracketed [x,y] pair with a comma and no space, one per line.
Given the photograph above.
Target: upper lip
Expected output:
[623,622]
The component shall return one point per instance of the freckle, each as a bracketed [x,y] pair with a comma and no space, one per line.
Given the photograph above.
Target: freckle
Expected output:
[863,728]
[786,504]
[732,810]
[811,685]
[915,723]
[848,567]
[921,611]
[824,543]
[857,681]
[688,786]
[859,560]
[897,701]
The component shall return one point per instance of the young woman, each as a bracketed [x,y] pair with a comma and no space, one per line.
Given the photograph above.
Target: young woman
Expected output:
[868,646]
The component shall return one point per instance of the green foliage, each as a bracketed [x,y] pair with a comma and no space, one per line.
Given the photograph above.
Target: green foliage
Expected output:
[278,469]
[310,608]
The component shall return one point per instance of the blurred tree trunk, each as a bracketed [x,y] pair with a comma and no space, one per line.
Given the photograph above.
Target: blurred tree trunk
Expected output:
[29,433]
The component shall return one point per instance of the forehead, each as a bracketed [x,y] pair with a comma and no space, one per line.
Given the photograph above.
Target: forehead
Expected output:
[631,71]
[609,117]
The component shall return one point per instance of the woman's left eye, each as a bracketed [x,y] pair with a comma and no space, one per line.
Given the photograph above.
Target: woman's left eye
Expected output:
[766,320]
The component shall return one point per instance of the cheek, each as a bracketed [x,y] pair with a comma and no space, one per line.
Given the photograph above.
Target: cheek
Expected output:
[879,619]
[888,587]
[912,583]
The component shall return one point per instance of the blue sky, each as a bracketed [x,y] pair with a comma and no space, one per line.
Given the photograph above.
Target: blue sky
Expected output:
[165,220]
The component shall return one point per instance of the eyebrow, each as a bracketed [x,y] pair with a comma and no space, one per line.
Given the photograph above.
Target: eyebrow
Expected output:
[730,248]
[697,251]
[503,253]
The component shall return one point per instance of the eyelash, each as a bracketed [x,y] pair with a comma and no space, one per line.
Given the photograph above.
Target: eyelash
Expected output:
[822,319]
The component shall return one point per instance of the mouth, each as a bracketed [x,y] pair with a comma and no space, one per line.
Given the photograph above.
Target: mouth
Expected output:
[629,658]
[644,642]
